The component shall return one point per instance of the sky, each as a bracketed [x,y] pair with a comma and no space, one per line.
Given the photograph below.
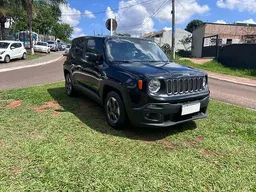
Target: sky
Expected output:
[137,17]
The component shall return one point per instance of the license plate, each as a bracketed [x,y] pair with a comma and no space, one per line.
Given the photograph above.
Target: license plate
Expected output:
[190,108]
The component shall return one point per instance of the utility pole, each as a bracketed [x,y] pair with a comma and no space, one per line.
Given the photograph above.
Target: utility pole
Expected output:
[173,29]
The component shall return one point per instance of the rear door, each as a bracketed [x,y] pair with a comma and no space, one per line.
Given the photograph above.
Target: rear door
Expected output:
[91,75]
[76,58]
[19,50]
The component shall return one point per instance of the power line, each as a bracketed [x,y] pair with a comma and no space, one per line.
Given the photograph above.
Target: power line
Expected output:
[101,12]
[151,17]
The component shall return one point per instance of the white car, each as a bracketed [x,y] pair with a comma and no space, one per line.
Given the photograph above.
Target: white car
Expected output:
[12,50]
[67,48]
[42,47]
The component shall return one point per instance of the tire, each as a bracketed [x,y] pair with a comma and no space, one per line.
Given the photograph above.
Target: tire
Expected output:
[69,85]
[24,56]
[7,59]
[115,111]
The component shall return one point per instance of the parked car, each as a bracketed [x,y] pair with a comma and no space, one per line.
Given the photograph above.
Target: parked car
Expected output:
[42,47]
[12,50]
[134,80]
[53,45]
[67,49]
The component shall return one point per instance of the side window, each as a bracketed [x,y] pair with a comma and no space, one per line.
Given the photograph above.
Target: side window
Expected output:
[94,46]
[18,45]
[14,45]
[78,48]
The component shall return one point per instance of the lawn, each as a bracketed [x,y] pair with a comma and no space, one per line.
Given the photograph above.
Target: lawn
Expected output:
[35,56]
[214,66]
[49,142]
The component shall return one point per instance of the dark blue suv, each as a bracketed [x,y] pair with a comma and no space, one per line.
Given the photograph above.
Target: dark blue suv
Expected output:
[134,80]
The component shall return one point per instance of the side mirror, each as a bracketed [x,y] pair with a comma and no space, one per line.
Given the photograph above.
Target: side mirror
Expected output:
[94,58]
[12,47]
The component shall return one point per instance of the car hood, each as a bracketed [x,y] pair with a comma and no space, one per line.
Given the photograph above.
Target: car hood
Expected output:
[160,69]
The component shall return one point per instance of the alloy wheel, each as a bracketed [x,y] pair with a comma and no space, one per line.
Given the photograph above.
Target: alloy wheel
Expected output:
[68,84]
[113,110]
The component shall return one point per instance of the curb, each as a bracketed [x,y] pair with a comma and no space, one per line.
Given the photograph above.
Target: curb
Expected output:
[230,81]
[31,65]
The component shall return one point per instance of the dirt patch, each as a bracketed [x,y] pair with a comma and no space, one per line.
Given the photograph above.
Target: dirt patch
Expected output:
[14,104]
[36,136]
[70,138]
[199,139]
[199,61]
[15,170]
[168,144]
[46,106]
[209,152]
[194,143]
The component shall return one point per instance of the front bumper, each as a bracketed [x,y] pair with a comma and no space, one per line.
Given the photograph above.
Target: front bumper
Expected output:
[165,114]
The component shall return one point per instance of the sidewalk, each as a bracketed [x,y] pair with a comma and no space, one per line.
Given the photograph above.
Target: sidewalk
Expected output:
[19,64]
[233,79]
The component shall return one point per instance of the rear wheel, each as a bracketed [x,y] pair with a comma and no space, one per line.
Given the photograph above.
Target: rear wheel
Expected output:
[69,85]
[7,59]
[24,56]
[115,111]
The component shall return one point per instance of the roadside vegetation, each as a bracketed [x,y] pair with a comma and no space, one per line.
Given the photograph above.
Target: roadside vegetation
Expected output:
[35,56]
[216,67]
[50,142]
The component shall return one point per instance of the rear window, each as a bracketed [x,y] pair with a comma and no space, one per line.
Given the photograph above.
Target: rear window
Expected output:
[42,43]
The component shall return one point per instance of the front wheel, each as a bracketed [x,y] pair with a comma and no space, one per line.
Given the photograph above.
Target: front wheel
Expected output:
[115,111]
[7,59]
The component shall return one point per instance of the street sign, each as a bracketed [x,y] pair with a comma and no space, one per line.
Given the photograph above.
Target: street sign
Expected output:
[114,24]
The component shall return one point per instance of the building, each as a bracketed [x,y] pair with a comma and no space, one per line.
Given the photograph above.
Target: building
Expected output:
[165,37]
[208,34]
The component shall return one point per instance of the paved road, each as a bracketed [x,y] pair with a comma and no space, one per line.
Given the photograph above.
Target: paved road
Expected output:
[224,91]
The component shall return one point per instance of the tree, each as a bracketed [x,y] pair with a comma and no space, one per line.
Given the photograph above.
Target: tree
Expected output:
[186,41]
[62,31]
[124,34]
[193,24]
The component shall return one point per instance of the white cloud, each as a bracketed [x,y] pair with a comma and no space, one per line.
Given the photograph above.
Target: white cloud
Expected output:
[167,28]
[249,21]
[130,19]
[221,22]
[70,15]
[77,32]
[89,14]
[240,5]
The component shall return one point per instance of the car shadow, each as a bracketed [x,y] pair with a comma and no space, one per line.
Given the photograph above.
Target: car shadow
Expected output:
[92,114]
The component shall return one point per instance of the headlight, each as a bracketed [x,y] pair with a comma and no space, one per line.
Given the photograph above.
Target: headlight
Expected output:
[204,82]
[154,85]
[2,52]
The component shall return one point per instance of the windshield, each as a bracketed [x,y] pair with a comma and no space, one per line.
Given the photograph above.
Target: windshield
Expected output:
[131,50]
[50,42]
[4,45]
[68,46]
[41,43]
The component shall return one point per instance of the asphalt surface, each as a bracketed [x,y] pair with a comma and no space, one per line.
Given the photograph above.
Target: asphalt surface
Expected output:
[232,93]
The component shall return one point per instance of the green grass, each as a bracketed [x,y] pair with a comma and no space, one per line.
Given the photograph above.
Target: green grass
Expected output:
[73,149]
[35,56]
[214,66]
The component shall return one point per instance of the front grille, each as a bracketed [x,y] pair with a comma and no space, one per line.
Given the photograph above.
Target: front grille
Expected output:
[184,85]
